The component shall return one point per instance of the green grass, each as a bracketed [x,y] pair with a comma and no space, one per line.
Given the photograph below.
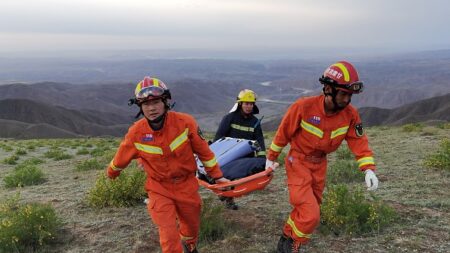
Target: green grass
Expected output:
[33,161]
[125,190]
[441,158]
[83,151]
[24,175]
[344,171]
[419,196]
[414,127]
[98,152]
[346,212]
[90,164]
[21,151]
[57,154]
[213,226]
[6,147]
[344,152]
[12,160]
[26,227]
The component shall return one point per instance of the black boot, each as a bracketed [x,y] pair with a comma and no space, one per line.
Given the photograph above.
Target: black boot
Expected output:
[287,245]
[189,248]
[229,203]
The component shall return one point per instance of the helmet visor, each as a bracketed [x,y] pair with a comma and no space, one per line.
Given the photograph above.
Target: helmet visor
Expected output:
[153,91]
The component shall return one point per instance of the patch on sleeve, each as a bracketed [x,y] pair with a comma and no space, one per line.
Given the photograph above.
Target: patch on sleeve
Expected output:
[359,130]
[200,133]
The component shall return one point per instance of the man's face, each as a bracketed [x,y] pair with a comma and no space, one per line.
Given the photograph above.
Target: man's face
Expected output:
[247,107]
[154,108]
[343,98]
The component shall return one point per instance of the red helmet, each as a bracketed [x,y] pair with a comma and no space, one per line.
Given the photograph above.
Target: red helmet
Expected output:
[342,75]
[151,88]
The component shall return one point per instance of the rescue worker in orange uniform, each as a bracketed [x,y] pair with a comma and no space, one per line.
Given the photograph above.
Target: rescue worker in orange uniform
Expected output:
[165,143]
[314,127]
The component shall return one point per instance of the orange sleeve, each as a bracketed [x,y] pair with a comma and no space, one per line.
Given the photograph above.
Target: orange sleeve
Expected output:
[287,129]
[126,152]
[201,148]
[359,144]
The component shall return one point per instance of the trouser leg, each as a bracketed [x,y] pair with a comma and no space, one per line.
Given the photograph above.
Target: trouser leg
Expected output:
[163,213]
[305,184]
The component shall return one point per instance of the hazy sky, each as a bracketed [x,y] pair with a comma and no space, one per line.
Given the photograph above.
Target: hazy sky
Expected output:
[223,24]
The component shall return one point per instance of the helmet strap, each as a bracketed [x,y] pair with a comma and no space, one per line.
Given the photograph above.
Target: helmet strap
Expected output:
[157,123]
[333,95]
[139,113]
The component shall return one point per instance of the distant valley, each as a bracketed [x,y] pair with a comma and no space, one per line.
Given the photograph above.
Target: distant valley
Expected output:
[89,97]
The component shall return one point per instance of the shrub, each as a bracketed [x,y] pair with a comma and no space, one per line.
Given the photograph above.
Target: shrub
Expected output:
[440,159]
[107,156]
[125,190]
[414,127]
[32,161]
[91,164]
[444,125]
[31,147]
[6,148]
[98,152]
[57,154]
[281,158]
[344,171]
[21,151]
[350,213]
[344,153]
[83,151]
[24,175]
[213,226]
[26,227]
[11,160]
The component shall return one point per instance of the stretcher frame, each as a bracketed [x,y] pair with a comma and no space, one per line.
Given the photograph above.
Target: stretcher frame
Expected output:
[242,186]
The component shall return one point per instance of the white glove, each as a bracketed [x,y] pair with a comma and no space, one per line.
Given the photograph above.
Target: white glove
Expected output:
[371,180]
[271,164]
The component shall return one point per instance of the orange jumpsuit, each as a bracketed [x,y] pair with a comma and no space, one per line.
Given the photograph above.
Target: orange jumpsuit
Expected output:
[168,159]
[312,134]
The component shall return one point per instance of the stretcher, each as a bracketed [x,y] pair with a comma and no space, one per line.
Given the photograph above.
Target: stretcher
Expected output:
[240,187]
[227,150]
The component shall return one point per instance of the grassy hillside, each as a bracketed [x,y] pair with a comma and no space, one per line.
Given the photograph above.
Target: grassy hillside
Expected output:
[420,196]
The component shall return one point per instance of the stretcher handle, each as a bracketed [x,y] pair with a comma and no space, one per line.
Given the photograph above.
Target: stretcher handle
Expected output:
[242,180]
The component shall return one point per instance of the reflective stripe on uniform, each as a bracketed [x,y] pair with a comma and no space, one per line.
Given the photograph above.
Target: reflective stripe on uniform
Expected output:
[311,129]
[261,153]
[297,232]
[114,167]
[276,148]
[186,238]
[242,128]
[148,148]
[210,163]
[179,140]
[368,160]
[339,131]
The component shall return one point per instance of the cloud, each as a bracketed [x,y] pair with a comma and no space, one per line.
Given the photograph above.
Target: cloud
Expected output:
[221,23]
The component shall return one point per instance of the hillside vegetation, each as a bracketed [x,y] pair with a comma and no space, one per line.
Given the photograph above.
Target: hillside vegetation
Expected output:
[418,193]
